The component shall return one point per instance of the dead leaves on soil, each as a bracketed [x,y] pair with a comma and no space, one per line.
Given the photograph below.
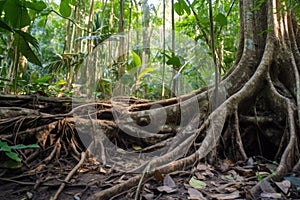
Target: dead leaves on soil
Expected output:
[227,181]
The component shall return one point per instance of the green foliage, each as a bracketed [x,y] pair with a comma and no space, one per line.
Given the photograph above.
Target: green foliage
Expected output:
[175,61]
[226,31]
[181,7]
[137,62]
[16,16]
[8,150]
[37,6]
[68,64]
[53,45]
[258,5]
[259,177]
[197,184]
[143,73]
[10,8]
[97,22]
[5,26]
[65,8]
[22,41]
[221,19]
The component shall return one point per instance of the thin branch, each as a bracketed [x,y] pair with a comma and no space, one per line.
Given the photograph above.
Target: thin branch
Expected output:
[198,23]
[69,176]
[71,20]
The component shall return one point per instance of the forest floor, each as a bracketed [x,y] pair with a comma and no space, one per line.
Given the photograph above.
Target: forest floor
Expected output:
[48,173]
[202,181]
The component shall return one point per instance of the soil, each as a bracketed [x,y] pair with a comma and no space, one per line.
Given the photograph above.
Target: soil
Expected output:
[200,181]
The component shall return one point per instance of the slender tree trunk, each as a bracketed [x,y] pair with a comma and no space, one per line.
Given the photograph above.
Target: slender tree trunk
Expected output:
[122,46]
[173,81]
[146,34]
[164,51]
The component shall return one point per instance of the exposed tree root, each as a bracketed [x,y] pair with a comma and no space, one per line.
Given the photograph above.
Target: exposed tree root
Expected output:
[256,91]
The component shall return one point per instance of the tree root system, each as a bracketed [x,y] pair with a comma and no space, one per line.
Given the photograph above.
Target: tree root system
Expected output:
[242,146]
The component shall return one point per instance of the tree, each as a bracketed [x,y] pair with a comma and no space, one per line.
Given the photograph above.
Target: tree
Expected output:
[263,83]
[260,94]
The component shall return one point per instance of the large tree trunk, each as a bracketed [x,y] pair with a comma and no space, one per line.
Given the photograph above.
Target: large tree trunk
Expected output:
[257,106]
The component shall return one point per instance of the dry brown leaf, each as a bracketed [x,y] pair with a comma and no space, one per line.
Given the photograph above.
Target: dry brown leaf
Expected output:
[266,187]
[230,189]
[195,194]
[168,181]
[200,176]
[244,172]
[201,167]
[148,196]
[208,173]
[102,170]
[166,189]
[284,186]
[271,195]
[213,183]
[169,185]
[225,165]
[233,195]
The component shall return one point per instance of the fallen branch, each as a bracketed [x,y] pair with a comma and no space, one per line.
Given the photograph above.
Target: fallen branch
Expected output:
[69,176]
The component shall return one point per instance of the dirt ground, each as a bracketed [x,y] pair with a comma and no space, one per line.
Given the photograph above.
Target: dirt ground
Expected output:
[200,181]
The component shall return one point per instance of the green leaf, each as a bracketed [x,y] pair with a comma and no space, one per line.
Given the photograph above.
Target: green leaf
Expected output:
[16,14]
[22,146]
[175,60]
[144,72]
[11,7]
[12,164]
[4,146]
[5,26]
[73,2]
[64,8]
[178,9]
[136,147]
[221,19]
[34,76]
[25,49]
[24,18]
[185,7]
[136,59]
[43,79]
[181,7]
[37,6]
[97,22]
[13,156]
[29,38]
[40,5]
[197,184]
[2,3]
[61,82]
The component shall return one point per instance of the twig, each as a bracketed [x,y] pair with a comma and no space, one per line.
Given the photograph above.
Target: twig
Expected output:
[138,190]
[69,176]
[17,182]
